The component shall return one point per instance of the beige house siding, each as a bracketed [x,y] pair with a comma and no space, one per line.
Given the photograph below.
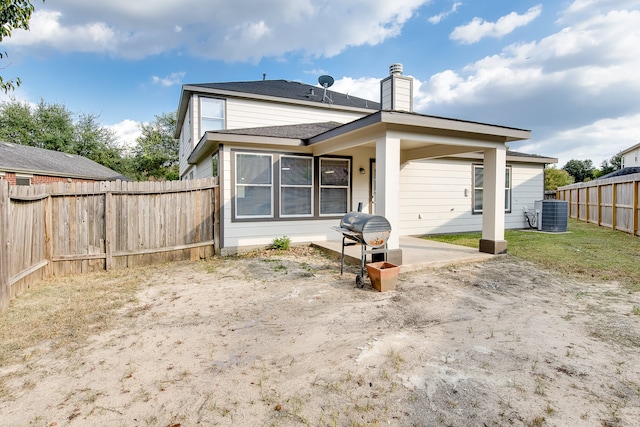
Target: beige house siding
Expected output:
[436,196]
[245,113]
[186,141]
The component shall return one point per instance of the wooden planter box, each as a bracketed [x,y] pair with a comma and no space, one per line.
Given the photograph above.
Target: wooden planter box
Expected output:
[383,275]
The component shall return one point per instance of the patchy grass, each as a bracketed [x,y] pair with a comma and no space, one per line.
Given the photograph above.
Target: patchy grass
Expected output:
[63,312]
[587,251]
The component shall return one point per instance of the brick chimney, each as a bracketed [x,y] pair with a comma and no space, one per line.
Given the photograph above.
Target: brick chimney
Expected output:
[396,91]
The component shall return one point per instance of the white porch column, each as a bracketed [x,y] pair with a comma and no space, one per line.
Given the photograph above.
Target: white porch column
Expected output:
[388,191]
[493,201]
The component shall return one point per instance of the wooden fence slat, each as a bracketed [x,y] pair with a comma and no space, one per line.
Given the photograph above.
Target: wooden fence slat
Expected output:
[68,228]
[616,205]
[5,291]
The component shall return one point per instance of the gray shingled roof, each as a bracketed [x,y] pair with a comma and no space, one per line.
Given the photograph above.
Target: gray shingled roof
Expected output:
[301,131]
[38,161]
[620,172]
[291,90]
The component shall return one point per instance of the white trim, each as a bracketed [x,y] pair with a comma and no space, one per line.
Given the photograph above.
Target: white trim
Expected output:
[237,186]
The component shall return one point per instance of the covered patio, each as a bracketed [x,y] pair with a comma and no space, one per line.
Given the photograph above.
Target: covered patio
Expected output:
[399,137]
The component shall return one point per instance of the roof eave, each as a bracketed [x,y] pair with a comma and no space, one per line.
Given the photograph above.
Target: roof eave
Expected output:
[507,134]
[210,140]
[58,174]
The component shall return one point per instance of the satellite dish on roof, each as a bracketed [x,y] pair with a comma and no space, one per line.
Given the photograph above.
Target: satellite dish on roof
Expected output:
[326,81]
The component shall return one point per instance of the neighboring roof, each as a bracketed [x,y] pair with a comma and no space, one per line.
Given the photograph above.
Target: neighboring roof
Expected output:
[620,172]
[38,161]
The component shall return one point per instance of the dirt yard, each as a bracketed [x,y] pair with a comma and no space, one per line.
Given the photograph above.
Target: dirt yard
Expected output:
[283,340]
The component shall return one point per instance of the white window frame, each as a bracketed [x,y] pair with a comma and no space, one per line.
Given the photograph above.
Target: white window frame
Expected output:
[239,187]
[508,188]
[221,120]
[308,186]
[346,187]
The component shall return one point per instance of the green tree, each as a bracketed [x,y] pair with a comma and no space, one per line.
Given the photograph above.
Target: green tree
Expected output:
[97,143]
[155,155]
[17,124]
[54,127]
[611,165]
[580,170]
[554,178]
[13,14]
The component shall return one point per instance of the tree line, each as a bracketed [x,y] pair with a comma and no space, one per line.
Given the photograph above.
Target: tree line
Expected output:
[579,171]
[154,156]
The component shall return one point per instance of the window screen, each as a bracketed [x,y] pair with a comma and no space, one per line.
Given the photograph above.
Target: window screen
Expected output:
[254,185]
[334,186]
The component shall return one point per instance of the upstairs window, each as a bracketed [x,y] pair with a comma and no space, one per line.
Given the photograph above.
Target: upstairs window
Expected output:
[211,114]
[478,188]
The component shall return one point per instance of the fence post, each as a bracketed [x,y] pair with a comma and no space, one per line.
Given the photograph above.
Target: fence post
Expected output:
[636,206]
[614,202]
[109,219]
[216,220]
[5,291]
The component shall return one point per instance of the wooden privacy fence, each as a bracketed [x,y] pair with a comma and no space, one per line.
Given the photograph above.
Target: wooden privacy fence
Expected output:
[67,228]
[611,202]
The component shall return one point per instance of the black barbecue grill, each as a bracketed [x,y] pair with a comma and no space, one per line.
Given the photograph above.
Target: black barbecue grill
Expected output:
[366,230]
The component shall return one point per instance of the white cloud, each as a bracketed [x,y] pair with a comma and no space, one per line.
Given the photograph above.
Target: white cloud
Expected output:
[436,19]
[576,89]
[364,87]
[170,80]
[46,29]
[586,8]
[231,31]
[126,132]
[606,136]
[478,28]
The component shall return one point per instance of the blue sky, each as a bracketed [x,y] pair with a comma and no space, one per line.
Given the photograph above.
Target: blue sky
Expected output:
[567,70]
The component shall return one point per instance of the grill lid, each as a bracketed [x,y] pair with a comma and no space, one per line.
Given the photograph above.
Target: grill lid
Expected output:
[374,230]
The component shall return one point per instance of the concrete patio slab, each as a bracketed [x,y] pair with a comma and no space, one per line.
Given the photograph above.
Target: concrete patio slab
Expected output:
[416,253]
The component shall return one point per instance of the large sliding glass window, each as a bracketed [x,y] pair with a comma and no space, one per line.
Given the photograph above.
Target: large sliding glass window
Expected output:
[296,186]
[478,188]
[211,114]
[334,186]
[254,185]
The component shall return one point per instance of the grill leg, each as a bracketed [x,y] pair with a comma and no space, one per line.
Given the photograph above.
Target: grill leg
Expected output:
[342,257]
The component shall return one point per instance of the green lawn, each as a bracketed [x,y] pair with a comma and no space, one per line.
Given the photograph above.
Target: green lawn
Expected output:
[586,251]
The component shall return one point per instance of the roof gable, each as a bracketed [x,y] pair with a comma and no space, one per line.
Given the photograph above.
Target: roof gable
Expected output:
[33,160]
